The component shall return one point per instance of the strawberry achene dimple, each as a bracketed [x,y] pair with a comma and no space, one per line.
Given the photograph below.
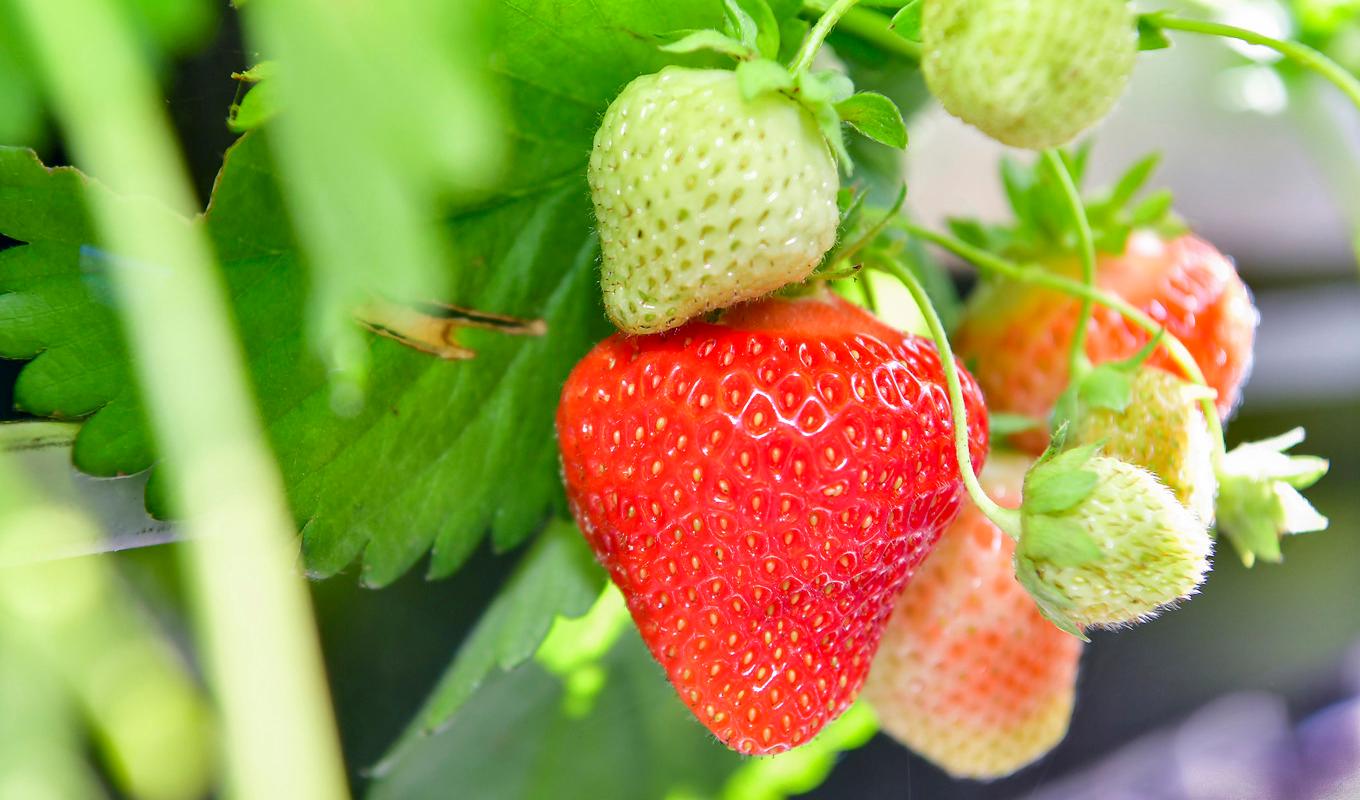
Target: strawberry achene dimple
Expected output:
[762,506]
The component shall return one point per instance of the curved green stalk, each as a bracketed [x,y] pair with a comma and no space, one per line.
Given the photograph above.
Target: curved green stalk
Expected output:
[872,27]
[1007,519]
[1299,53]
[994,264]
[813,42]
[1078,363]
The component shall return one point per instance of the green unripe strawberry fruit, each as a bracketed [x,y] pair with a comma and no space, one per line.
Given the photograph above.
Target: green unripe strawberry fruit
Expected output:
[1162,429]
[705,198]
[1104,543]
[1028,73]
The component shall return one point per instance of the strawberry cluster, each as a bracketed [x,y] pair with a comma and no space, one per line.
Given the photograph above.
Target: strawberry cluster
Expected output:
[766,476]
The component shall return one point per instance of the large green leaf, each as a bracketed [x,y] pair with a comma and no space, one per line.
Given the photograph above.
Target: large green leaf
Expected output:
[557,577]
[518,737]
[441,451]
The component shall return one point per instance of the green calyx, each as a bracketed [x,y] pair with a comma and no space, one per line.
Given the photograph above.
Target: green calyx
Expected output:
[1258,496]
[1103,542]
[1044,228]
[751,35]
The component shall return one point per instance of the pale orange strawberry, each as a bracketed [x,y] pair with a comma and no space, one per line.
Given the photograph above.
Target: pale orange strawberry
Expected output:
[1015,337]
[969,674]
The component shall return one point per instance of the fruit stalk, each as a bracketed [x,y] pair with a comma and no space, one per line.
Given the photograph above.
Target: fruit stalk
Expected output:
[871,26]
[808,51]
[1299,53]
[1007,519]
[1086,249]
[994,264]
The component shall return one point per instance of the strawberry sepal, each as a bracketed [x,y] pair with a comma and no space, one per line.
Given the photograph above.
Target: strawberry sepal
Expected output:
[1258,497]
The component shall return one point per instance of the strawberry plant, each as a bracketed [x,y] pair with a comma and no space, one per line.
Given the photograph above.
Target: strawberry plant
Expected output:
[619,315]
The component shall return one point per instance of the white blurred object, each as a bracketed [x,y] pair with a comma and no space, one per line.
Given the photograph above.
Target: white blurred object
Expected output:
[42,452]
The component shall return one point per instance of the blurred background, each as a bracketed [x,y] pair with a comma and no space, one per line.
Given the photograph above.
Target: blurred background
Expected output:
[1250,692]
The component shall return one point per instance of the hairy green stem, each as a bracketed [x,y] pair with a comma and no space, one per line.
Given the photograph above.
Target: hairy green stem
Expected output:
[1036,275]
[1007,519]
[1078,363]
[813,41]
[1299,53]
[253,612]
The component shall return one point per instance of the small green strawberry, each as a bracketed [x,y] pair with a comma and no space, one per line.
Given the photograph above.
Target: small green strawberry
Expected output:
[1104,543]
[1152,419]
[705,197]
[1028,73]
[1258,496]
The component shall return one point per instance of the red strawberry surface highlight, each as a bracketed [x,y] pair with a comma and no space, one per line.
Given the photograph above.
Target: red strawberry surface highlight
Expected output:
[760,490]
[970,674]
[1015,338]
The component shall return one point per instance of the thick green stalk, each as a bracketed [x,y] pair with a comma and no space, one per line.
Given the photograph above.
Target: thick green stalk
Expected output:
[1299,53]
[813,41]
[253,610]
[1007,519]
[1078,363]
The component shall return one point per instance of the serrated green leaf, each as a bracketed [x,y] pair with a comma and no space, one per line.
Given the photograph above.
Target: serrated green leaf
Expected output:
[518,736]
[441,451]
[876,117]
[1059,541]
[907,20]
[556,578]
[757,77]
[694,41]
[1151,35]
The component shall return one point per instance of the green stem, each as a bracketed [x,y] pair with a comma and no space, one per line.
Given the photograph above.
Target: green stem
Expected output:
[1007,519]
[1078,363]
[813,42]
[872,27]
[1299,53]
[253,613]
[1036,275]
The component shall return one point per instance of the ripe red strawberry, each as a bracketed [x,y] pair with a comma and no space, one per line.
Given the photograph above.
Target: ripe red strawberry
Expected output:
[760,490]
[1015,338]
[970,675]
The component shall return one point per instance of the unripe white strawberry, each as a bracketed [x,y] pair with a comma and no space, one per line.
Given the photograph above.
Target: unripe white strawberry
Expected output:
[1104,543]
[705,198]
[1028,73]
[1161,429]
